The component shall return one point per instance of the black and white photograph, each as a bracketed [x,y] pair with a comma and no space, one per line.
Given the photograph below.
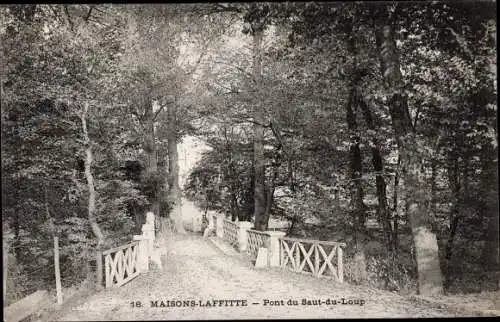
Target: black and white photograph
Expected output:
[249,160]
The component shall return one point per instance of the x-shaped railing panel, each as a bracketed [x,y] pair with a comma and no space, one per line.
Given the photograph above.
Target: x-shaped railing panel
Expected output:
[120,264]
[317,260]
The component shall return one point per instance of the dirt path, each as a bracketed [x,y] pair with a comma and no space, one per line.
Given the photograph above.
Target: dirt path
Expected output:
[198,271]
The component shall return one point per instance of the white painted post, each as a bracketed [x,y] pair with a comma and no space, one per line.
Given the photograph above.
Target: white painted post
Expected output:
[142,254]
[211,221]
[243,227]
[99,269]
[340,264]
[220,225]
[150,220]
[148,235]
[211,225]
[57,271]
[148,232]
[273,248]
[5,255]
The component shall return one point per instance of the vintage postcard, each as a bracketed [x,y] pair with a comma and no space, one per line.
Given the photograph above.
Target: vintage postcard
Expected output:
[244,160]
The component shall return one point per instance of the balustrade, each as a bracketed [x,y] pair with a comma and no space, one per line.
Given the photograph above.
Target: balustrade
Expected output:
[318,258]
[120,264]
[256,240]
[314,257]
[230,232]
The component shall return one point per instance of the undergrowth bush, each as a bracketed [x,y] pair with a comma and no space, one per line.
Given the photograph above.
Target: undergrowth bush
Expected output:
[391,273]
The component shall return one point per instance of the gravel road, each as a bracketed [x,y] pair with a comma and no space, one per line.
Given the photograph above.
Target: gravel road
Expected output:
[214,285]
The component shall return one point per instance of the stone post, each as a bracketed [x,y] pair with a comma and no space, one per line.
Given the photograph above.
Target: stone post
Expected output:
[5,255]
[220,225]
[142,254]
[273,248]
[99,268]
[243,226]
[340,265]
[211,225]
[211,221]
[148,231]
[148,236]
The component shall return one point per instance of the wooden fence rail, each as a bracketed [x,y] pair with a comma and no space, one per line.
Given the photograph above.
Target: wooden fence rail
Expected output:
[318,258]
[120,264]
[256,240]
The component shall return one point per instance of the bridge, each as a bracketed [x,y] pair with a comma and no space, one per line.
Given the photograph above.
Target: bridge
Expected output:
[206,278]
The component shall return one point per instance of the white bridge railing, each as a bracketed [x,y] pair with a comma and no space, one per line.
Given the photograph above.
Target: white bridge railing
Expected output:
[120,264]
[256,240]
[124,263]
[230,232]
[318,258]
[306,256]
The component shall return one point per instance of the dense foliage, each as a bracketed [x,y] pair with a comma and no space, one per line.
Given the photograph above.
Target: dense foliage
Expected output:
[341,118]
[331,153]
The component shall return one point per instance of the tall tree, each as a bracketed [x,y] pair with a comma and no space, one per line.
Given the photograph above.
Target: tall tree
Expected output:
[173,167]
[355,169]
[89,159]
[430,279]
[255,25]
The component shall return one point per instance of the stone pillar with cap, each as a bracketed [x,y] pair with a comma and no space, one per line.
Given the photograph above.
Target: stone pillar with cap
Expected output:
[243,227]
[273,248]
[142,254]
[219,225]
[211,221]
[148,232]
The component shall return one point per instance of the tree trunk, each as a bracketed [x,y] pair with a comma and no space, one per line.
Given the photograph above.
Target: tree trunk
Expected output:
[232,177]
[454,218]
[433,201]
[449,246]
[395,210]
[260,215]
[337,198]
[235,210]
[90,179]
[152,155]
[383,211]
[430,281]
[358,208]
[490,256]
[174,191]
[269,199]
[454,181]
[290,173]
[16,243]
[378,166]
[261,219]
